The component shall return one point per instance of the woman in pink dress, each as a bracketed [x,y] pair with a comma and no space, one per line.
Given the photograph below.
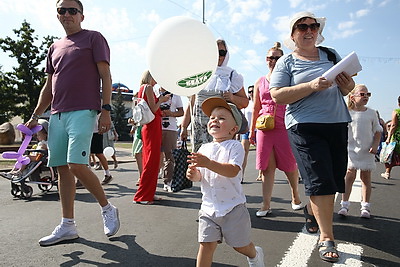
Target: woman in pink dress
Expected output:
[272,148]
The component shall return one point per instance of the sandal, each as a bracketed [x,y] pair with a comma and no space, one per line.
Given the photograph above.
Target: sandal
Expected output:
[311,222]
[326,247]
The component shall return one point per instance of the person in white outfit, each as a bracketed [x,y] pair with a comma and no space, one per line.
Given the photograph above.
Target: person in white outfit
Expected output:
[363,141]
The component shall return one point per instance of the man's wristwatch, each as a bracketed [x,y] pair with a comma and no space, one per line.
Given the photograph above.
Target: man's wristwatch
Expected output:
[106,107]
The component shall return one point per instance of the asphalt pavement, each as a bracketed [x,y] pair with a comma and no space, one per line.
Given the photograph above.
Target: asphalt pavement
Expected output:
[165,234]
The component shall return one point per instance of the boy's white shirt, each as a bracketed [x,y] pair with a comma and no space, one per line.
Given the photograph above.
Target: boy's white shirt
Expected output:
[220,193]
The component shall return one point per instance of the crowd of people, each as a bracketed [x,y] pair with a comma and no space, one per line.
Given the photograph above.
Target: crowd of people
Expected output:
[325,144]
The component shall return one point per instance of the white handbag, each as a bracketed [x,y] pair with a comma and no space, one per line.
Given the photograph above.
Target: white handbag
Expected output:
[141,113]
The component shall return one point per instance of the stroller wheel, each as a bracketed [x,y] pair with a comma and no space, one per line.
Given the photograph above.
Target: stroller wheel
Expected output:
[26,192]
[45,187]
[15,190]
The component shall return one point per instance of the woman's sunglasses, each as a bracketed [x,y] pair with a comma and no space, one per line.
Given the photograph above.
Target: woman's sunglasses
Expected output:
[222,53]
[71,10]
[363,94]
[304,27]
[273,58]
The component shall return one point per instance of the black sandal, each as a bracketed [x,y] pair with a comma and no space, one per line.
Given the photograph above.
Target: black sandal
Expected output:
[329,246]
[311,222]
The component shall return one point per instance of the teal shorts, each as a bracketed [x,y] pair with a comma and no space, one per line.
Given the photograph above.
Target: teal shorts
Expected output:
[70,135]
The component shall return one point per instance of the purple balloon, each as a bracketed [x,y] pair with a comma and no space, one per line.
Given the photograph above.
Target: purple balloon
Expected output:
[21,159]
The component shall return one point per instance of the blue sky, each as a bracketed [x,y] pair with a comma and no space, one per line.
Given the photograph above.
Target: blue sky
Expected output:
[250,28]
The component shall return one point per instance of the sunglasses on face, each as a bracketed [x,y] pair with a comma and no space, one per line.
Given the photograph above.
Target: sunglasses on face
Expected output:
[71,10]
[250,92]
[304,27]
[222,53]
[363,94]
[273,58]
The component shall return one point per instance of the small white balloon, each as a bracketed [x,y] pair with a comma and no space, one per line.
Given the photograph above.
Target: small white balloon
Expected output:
[108,152]
[182,55]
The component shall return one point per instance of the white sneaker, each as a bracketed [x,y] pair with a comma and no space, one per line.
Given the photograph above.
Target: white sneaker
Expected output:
[258,260]
[365,210]
[167,187]
[343,211]
[111,221]
[61,232]
[365,214]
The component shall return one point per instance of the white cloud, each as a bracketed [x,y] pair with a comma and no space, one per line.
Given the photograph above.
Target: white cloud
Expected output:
[153,17]
[259,38]
[362,13]
[295,3]
[384,3]
[346,25]
[252,60]
[264,15]
[345,34]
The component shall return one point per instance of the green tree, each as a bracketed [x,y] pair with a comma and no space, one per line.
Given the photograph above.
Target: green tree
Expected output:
[24,83]
[119,116]
[6,99]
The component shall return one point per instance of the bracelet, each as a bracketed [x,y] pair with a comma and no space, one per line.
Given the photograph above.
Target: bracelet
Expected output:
[35,117]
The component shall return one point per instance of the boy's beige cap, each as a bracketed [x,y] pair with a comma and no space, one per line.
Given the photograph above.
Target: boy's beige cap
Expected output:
[210,103]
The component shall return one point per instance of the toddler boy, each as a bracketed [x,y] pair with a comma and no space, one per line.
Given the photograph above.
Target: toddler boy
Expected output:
[217,165]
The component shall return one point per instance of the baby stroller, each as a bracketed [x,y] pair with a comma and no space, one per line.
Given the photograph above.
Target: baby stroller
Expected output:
[35,172]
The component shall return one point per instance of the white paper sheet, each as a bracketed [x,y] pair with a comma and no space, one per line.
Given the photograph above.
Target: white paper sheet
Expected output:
[349,64]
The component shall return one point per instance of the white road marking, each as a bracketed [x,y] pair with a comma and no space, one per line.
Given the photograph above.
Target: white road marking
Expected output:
[300,251]
[350,255]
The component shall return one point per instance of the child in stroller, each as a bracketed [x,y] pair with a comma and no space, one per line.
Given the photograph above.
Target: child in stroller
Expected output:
[35,172]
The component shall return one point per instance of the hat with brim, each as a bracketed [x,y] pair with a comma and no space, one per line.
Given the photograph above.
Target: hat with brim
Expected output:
[45,124]
[289,43]
[211,103]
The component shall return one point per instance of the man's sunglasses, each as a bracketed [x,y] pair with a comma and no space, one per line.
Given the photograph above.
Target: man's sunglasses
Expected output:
[71,10]
[222,53]
[304,27]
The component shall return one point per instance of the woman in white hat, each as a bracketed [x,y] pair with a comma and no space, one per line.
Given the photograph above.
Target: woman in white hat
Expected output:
[316,119]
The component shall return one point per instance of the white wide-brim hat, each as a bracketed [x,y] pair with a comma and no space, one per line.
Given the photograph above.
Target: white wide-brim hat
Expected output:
[289,43]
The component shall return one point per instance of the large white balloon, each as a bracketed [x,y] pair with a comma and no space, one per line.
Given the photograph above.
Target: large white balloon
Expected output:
[182,54]
[108,152]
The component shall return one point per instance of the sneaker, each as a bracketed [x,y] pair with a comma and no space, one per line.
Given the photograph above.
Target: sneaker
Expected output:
[107,179]
[61,232]
[365,210]
[385,175]
[365,213]
[297,206]
[98,167]
[111,221]
[343,211]
[258,260]
[167,187]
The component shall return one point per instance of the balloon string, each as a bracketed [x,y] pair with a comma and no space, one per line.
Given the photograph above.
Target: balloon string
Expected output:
[191,122]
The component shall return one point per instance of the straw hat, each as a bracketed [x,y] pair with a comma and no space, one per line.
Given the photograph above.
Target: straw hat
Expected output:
[288,42]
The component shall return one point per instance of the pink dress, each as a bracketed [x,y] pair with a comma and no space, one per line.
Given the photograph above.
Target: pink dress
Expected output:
[275,140]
